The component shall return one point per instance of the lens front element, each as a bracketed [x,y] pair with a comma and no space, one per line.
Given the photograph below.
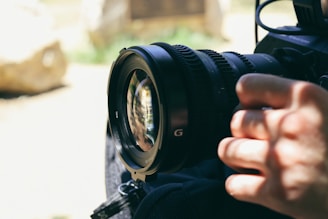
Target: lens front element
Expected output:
[142,110]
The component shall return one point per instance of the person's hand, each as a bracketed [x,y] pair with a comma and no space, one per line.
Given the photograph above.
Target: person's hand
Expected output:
[279,146]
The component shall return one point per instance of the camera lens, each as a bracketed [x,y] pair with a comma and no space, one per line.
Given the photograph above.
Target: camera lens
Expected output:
[142,110]
[169,106]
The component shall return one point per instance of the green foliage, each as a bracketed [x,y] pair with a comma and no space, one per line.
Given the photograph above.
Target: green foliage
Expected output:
[60,217]
[106,54]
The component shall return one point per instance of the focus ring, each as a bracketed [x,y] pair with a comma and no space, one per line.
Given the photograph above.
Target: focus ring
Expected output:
[199,96]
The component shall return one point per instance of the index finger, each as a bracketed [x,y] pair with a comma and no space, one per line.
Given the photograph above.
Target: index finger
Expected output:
[258,90]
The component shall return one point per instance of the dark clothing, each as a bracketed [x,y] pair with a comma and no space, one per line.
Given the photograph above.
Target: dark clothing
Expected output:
[192,193]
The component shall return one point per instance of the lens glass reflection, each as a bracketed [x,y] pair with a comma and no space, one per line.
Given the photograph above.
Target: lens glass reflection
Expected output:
[142,110]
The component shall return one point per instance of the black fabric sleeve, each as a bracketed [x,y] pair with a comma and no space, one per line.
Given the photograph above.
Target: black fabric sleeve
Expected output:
[197,193]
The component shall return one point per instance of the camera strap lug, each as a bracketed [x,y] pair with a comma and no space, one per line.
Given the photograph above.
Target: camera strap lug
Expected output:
[128,194]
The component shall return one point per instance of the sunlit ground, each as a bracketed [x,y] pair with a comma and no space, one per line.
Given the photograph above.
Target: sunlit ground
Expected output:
[52,145]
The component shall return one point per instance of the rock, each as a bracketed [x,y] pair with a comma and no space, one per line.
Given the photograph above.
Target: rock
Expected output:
[103,19]
[31,59]
[216,11]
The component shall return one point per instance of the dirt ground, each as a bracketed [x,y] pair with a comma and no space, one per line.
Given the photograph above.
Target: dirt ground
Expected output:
[52,149]
[52,144]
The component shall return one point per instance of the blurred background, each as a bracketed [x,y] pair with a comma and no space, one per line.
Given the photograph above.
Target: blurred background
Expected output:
[55,57]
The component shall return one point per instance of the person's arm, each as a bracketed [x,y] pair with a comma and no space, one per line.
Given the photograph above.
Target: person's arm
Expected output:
[280,146]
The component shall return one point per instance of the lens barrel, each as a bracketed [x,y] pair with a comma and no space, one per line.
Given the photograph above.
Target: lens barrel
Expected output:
[169,106]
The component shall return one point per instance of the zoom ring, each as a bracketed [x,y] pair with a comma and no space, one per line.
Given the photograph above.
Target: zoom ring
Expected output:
[228,76]
[250,67]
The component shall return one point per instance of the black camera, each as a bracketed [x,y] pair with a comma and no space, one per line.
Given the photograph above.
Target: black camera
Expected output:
[170,105]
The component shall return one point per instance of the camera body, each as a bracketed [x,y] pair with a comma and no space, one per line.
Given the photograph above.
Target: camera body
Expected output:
[303,56]
[169,106]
